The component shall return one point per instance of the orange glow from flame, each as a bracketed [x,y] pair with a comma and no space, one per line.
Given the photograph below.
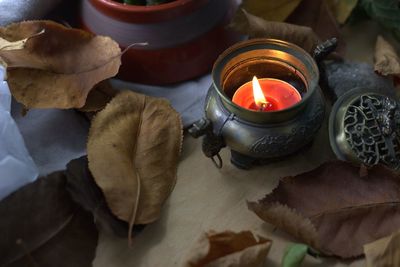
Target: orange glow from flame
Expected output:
[258,94]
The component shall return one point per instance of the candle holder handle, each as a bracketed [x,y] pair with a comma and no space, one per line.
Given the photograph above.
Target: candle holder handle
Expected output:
[320,53]
[324,49]
[212,143]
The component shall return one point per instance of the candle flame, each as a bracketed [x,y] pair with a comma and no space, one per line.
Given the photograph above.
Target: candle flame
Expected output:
[258,94]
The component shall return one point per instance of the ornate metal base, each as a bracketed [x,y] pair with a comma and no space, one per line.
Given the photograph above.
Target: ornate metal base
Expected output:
[242,161]
[246,162]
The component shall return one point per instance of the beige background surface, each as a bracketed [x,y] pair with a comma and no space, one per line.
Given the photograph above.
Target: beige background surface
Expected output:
[206,198]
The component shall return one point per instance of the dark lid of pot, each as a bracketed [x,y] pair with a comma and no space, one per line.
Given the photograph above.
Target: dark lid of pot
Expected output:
[364,127]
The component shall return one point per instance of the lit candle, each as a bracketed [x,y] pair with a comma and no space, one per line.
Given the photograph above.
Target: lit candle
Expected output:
[266,94]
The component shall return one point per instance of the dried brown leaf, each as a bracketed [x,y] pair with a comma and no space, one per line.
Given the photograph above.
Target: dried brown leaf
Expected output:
[228,248]
[59,67]
[387,61]
[384,252]
[317,15]
[333,209]
[257,27]
[133,150]
[41,226]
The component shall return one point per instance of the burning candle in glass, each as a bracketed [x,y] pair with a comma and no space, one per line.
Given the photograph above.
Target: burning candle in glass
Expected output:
[266,94]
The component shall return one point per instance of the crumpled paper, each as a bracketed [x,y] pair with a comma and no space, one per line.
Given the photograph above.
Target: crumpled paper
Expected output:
[18,10]
[16,165]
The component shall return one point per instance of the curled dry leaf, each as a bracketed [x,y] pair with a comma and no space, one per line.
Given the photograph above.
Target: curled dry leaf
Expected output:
[387,61]
[41,226]
[58,68]
[257,27]
[333,209]
[228,248]
[133,150]
[384,252]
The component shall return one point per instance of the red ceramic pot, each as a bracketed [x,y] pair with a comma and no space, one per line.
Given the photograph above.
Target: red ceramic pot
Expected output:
[184,36]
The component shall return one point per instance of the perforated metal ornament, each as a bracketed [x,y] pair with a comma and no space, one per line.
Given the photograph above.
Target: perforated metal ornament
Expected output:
[365,128]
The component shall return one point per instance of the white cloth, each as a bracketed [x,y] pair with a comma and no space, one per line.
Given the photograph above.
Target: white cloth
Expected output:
[54,137]
[18,10]
[16,165]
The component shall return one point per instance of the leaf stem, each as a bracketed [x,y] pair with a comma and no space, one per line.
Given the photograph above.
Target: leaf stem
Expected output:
[27,253]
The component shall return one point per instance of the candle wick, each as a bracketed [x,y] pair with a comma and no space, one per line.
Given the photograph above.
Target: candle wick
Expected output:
[263,106]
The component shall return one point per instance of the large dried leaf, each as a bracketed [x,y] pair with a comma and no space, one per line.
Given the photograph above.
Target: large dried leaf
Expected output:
[84,191]
[228,249]
[387,61]
[41,226]
[133,150]
[58,68]
[257,27]
[384,252]
[317,15]
[333,209]
[270,10]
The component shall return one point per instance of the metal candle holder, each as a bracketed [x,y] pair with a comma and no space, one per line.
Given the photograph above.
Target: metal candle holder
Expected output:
[364,127]
[255,136]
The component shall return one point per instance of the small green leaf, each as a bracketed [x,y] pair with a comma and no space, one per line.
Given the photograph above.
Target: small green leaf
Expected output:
[294,255]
